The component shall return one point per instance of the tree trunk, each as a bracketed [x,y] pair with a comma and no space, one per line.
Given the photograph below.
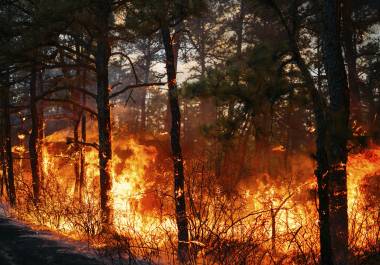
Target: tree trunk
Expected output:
[175,134]
[240,28]
[82,175]
[8,146]
[350,57]
[321,155]
[321,172]
[3,168]
[82,121]
[147,65]
[207,104]
[76,96]
[338,130]
[34,145]
[40,134]
[77,157]
[103,50]
[273,232]
[2,158]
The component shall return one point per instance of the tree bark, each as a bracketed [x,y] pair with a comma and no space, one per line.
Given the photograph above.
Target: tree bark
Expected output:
[34,145]
[338,130]
[175,134]
[103,51]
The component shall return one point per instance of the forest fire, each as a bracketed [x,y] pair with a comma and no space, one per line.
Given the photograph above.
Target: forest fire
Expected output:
[129,178]
[284,209]
[190,132]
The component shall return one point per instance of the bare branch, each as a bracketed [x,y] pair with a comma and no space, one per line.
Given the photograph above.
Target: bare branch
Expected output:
[68,101]
[130,62]
[56,89]
[135,86]
[70,140]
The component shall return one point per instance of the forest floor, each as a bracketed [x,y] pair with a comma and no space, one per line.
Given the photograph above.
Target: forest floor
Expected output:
[21,245]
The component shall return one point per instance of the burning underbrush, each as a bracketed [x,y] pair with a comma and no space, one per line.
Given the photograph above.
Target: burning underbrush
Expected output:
[265,221]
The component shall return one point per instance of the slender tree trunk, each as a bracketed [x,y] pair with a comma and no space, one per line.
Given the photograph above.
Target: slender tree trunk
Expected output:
[77,157]
[350,57]
[77,116]
[34,145]
[240,28]
[8,146]
[40,133]
[321,172]
[273,237]
[207,104]
[175,134]
[82,175]
[2,157]
[2,154]
[82,121]
[321,156]
[239,47]
[147,65]
[338,130]
[103,51]
[3,168]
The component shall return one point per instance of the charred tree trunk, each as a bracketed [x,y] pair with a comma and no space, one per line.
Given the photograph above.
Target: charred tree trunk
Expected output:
[175,134]
[34,145]
[103,51]
[5,98]
[321,171]
[338,130]
[322,165]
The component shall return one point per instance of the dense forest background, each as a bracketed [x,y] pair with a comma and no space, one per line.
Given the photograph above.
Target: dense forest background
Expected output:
[218,131]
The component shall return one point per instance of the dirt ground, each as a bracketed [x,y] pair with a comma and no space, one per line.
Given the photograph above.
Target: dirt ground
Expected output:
[20,245]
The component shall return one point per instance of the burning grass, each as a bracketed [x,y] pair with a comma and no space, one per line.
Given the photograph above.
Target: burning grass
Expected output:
[262,222]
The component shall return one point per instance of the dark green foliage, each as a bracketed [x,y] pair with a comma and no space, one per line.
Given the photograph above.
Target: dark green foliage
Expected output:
[254,83]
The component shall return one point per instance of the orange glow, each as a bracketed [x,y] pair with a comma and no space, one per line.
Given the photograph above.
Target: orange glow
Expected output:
[284,207]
